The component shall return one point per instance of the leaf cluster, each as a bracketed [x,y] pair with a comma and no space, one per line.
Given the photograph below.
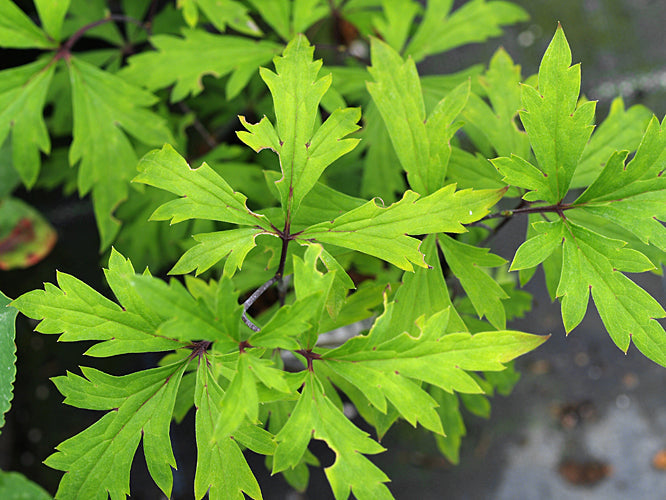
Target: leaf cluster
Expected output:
[365,192]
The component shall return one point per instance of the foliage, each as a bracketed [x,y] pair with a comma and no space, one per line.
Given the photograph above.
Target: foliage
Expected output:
[448,158]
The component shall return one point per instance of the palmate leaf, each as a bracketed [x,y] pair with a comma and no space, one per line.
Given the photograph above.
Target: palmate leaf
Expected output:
[7,355]
[98,460]
[105,109]
[304,152]
[432,356]
[22,97]
[371,368]
[182,62]
[594,263]
[153,316]
[203,195]
[421,145]
[382,232]
[558,128]
[315,415]
[633,196]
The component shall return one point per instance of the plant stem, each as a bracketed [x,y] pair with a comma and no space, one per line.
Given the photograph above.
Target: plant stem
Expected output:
[558,208]
[199,127]
[252,299]
[66,48]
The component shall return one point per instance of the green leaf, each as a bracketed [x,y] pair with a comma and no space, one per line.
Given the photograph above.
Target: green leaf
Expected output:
[536,249]
[222,470]
[433,357]
[422,146]
[558,128]
[423,293]
[475,21]
[15,486]
[316,416]
[592,263]
[240,401]
[622,129]
[501,83]
[289,18]
[397,21]
[452,422]
[382,172]
[18,31]
[22,97]
[382,232]
[52,14]
[221,13]
[98,460]
[105,109]
[234,244]
[485,293]
[304,152]
[83,12]
[204,194]
[7,356]
[80,313]
[182,62]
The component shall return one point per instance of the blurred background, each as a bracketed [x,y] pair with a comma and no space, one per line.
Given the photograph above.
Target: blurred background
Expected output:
[586,421]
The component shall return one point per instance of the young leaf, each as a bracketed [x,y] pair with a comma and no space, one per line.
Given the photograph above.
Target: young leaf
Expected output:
[382,232]
[22,96]
[7,355]
[222,470]
[104,106]
[475,21]
[98,460]
[182,62]
[316,416]
[304,152]
[484,292]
